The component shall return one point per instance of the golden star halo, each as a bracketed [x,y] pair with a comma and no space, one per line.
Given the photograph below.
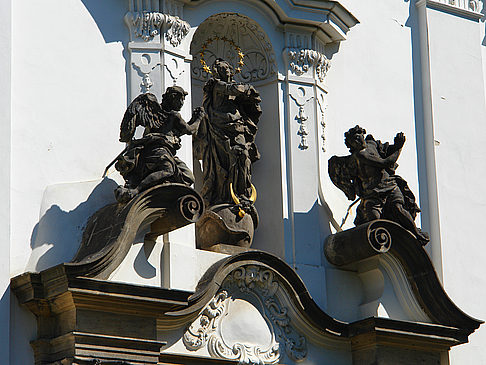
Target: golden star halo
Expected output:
[237,49]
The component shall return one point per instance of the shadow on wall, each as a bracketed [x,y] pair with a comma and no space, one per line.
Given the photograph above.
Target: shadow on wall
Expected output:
[306,233]
[23,329]
[109,17]
[56,237]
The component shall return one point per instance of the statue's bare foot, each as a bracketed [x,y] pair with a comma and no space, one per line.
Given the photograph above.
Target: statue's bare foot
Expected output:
[124,195]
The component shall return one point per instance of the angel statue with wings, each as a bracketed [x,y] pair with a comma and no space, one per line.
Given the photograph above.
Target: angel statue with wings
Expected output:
[152,159]
[369,173]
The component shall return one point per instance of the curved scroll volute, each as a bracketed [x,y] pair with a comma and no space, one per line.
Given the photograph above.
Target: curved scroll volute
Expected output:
[111,231]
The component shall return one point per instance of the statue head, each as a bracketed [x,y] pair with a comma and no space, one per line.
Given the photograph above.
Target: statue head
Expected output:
[173,98]
[222,70]
[354,138]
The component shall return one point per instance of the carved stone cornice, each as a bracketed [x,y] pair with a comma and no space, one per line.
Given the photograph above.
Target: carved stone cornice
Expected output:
[146,25]
[303,60]
[131,320]
[66,307]
[328,19]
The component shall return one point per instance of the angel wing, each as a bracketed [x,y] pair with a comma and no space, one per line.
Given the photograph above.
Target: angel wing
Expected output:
[144,111]
[340,171]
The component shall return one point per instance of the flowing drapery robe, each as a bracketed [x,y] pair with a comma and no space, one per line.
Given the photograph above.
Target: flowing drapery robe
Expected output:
[225,141]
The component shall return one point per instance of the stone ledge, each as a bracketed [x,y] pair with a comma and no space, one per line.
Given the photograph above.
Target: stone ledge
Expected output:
[383,237]
[81,320]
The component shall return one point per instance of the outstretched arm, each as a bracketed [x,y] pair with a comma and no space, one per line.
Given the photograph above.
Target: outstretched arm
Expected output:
[231,88]
[377,161]
[193,125]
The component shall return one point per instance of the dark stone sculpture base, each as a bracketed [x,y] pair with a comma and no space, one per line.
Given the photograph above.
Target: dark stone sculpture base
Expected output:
[382,237]
[110,232]
[221,225]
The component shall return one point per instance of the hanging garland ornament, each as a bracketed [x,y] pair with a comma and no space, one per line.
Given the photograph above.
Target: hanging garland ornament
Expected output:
[205,45]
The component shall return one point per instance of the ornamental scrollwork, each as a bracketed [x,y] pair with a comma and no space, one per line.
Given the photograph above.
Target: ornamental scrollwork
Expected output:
[147,24]
[262,284]
[198,333]
[178,29]
[471,5]
[260,287]
[301,61]
[245,354]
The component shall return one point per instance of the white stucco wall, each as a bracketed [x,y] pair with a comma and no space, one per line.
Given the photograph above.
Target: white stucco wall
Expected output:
[68,97]
[69,93]
[458,107]
[370,83]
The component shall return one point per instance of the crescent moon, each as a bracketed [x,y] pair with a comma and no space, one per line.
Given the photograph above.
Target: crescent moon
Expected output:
[253,196]
[233,195]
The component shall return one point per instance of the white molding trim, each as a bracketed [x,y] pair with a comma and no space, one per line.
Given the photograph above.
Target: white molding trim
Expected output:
[468,8]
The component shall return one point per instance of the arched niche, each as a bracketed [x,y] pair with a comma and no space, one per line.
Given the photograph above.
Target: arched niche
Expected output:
[245,33]
[260,69]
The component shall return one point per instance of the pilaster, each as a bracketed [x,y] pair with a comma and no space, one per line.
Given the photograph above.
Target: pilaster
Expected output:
[305,96]
[307,66]
[159,58]
[154,27]
[451,101]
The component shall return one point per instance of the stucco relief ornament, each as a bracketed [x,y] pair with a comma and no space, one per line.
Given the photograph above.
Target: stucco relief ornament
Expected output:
[236,29]
[178,29]
[146,83]
[259,286]
[147,24]
[301,60]
[199,332]
[301,118]
[320,102]
[474,5]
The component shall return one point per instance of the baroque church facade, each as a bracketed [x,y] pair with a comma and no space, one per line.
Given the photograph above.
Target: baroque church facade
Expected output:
[217,227]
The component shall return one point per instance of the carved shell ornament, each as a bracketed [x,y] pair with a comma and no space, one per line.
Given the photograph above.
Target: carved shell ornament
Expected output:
[224,36]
